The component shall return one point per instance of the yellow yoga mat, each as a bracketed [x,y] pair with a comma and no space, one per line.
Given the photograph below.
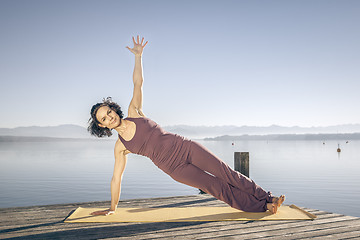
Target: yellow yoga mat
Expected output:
[187,214]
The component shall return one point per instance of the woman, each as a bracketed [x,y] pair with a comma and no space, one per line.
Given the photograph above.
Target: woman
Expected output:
[184,160]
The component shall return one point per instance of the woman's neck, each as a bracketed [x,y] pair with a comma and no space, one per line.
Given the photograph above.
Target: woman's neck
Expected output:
[124,124]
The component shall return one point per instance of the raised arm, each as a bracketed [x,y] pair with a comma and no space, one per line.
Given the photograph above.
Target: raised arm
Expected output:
[135,107]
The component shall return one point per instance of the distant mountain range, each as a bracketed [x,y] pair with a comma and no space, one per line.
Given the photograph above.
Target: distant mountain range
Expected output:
[204,131]
[45,139]
[274,137]
[75,131]
[61,131]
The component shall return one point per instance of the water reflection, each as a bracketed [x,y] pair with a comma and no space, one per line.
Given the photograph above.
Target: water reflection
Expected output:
[310,173]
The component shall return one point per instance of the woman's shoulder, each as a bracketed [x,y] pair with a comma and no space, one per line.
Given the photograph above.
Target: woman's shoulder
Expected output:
[120,147]
[135,113]
[135,117]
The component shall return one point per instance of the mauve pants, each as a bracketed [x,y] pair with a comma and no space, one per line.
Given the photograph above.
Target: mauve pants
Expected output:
[223,183]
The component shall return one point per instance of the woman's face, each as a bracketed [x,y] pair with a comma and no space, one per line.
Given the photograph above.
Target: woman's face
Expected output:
[107,117]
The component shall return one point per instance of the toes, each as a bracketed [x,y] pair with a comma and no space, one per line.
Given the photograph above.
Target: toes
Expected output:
[282,199]
[279,200]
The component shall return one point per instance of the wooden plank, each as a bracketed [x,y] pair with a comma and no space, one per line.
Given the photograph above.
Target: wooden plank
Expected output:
[276,229]
[224,227]
[342,235]
[323,233]
[46,222]
[216,230]
[221,228]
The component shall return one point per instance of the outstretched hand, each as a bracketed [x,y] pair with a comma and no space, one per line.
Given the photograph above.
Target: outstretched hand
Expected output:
[138,47]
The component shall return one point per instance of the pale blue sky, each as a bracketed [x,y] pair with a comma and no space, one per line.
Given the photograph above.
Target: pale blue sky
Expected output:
[206,63]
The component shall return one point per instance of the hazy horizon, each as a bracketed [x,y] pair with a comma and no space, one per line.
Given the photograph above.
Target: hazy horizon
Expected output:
[212,63]
[188,125]
[192,132]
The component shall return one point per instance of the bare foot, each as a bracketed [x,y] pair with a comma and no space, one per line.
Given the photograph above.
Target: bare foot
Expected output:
[272,207]
[278,200]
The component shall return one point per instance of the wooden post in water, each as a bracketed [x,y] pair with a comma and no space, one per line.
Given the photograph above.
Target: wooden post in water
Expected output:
[241,162]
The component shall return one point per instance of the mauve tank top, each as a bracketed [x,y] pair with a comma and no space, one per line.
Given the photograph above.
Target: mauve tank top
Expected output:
[166,150]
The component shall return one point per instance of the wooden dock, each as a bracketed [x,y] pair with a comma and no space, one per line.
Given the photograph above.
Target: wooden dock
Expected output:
[47,222]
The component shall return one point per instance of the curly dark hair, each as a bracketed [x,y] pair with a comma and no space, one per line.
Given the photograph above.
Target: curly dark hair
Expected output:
[94,127]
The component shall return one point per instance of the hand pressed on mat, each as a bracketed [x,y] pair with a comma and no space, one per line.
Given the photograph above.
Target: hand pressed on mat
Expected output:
[103,212]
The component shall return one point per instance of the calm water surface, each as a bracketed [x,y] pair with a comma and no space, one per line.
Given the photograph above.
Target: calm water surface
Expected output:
[309,173]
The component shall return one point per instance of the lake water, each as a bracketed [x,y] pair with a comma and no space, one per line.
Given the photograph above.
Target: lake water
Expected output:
[309,173]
